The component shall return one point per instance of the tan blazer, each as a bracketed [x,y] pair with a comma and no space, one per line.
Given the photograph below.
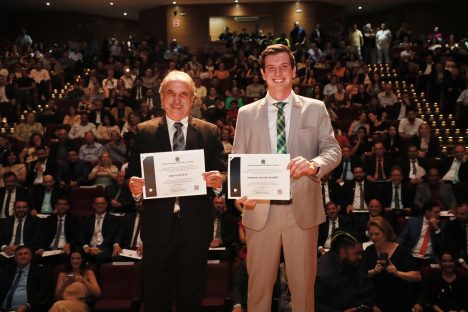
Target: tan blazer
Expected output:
[310,135]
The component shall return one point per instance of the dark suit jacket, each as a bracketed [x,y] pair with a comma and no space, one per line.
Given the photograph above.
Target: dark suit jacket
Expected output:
[51,168]
[133,92]
[359,223]
[385,192]
[156,104]
[110,228]
[423,196]
[38,193]
[125,197]
[370,165]
[412,232]
[21,193]
[102,113]
[455,237]
[406,166]
[125,233]
[32,235]
[323,229]
[333,191]
[447,162]
[433,148]
[229,229]
[338,171]
[71,228]
[347,192]
[37,286]
[81,170]
[197,217]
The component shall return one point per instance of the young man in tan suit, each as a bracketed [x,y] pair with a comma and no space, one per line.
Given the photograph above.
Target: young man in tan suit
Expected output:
[284,122]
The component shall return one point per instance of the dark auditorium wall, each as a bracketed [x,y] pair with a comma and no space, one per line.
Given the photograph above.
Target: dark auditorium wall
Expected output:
[193,29]
[60,27]
[449,15]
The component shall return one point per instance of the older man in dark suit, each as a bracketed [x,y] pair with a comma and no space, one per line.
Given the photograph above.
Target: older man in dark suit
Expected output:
[9,194]
[23,286]
[176,231]
[45,195]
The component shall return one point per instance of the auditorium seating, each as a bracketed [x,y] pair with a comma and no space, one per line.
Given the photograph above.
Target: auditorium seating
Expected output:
[82,198]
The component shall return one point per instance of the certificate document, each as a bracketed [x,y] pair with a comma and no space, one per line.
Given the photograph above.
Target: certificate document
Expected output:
[173,174]
[259,176]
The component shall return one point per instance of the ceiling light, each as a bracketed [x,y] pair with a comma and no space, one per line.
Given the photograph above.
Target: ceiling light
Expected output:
[47,3]
[359,7]
[173,2]
[125,13]
[111,3]
[236,1]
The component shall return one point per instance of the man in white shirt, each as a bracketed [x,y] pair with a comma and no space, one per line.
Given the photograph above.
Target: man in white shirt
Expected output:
[409,126]
[330,88]
[387,98]
[382,40]
[79,130]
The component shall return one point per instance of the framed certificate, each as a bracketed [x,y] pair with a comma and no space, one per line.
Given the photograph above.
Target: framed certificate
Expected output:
[259,176]
[173,174]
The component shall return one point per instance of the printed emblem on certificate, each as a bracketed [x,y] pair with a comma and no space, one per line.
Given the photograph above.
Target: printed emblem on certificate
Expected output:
[173,174]
[259,176]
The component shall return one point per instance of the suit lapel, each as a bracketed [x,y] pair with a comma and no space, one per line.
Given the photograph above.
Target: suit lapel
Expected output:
[162,136]
[264,135]
[192,139]
[293,123]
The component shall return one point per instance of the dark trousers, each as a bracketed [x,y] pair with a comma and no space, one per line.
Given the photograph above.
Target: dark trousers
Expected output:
[178,264]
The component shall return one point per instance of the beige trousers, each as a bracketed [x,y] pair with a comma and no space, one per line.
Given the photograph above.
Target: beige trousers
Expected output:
[263,256]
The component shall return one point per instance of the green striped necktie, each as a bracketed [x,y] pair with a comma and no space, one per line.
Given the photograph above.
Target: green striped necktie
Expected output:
[281,147]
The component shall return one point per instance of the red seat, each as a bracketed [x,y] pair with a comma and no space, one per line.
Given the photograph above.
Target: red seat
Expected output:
[81,203]
[121,287]
[217,286]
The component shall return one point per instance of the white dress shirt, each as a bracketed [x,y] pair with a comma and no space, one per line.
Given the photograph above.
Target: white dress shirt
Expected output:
[62,238]
[357,197]
[10,206]
[272,117]
[97,238]
[450,175]
[135,227]
[392,205]
[15,226]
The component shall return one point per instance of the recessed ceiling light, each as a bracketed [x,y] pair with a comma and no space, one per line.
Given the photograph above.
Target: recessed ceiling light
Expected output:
[47,3]
[111,3]
[236,1]
[125,13]
[173,2]
[359,7]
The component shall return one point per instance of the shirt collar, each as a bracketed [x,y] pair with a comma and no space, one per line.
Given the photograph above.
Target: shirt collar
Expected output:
[270,100]
[170,122]
[103,215]
[25,269]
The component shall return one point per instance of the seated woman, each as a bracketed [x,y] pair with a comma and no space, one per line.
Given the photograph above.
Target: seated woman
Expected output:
[12,164]
[377,127]
[104,173]
[356,124]
[361,143]
[341,98]
[104,130]
[392,142]
[446,290]
[72,117]
[131,125]
[391,268]
[428,145]
[76,286]
[28,154]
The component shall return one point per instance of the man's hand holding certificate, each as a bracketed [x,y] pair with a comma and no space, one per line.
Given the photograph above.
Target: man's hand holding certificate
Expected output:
[259,176]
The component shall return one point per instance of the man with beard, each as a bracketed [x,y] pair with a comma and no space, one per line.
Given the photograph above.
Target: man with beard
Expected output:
[342,284]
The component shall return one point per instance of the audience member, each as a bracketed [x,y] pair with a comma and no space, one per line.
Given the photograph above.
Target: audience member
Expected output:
[333,222]
[13,165]
[118,195]
[9,194]
[391,268]
[378,165]
[456,235]
[356,193]
[91,150]
[80,129]
[44,196]
[434,191]
[72,172]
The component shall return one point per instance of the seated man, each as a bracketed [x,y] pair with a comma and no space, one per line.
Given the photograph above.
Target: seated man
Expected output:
[99,233]
[342,284]
[359,221]
[414,167]
[23,286]
[20,229]
[225,230]
[344,171]
[91,150]
[118,195]
[45,195]
[79,130]
[333,222]
[74,171]
[355,194]
[434,191]
[40,167]
[378,165]
[129,233]
[9,194]
[423,236]
[395,195]
[330,190]
[60,231]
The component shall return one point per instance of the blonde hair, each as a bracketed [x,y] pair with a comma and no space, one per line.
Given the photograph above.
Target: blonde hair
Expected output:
[384,226]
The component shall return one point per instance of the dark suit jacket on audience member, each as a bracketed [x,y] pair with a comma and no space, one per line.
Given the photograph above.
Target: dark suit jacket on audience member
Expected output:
[385,192]
[51,169]
[81,170]
[343,223]
[110,228]
[102,113]
[445,165]
[31,231]
[370,165]
[423,196]
[433,148]
[406,166]
[125,197]
[37,286]
[21,193]
[71,228]
[337,173]
[125,234]
[38,193]
[347,192]
[455,237]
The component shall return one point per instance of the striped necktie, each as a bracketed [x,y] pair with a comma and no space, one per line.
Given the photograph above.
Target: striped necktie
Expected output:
[281,147]
[178,143]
